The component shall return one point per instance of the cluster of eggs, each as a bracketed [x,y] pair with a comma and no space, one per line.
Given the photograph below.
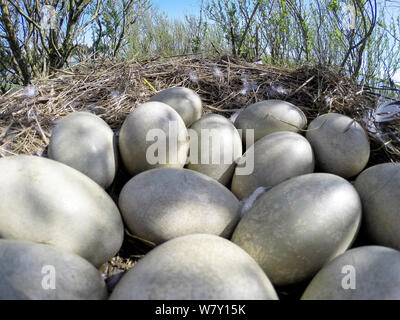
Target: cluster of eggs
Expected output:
[56,212]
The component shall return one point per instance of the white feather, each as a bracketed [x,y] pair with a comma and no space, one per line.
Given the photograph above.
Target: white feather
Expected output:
[247,203]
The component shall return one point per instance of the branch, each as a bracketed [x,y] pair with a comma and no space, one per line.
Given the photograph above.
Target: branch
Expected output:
[233,42]
[29,19]
[383,27]
[20,11]
[12,40]
[94,16]
[368,32]
[248,25]
[125,12]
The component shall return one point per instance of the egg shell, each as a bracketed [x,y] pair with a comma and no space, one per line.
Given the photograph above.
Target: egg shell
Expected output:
[269,116]
[136,137]
[86,143]
[379,189]
[184,100]
[277,157]
[33,271]
[42,200]
[195,267]
[162,204]
[296,227]
[224,140]
[340,144]
[363,273]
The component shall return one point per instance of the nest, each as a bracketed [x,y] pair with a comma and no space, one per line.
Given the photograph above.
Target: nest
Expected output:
[111,90]
[226,85]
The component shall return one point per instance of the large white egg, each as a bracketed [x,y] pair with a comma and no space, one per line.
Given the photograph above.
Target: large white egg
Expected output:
[379,189]
[195,267]
[184,100]
[269,116]
[42,200]
[153,136]
[275,157]
[86,143]
[363,273]
[215,146]
[33,271]
[340,144]
[296,227]
[166,203]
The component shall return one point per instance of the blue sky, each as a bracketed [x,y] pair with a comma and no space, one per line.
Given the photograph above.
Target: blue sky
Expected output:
[177,8]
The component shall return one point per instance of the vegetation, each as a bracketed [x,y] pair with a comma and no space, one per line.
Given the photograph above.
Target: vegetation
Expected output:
[356,36]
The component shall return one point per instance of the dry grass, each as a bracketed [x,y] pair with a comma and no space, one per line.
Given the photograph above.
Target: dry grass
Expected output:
[112,90]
